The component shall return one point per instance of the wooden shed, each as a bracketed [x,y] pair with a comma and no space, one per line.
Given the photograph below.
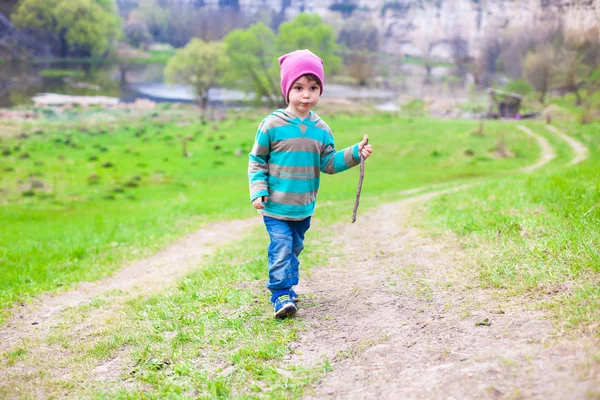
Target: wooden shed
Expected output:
[507,104]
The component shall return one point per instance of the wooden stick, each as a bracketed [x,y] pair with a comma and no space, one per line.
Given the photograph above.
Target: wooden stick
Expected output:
[360,182]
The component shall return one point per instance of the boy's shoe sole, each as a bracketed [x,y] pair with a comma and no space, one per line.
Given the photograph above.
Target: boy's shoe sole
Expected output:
[287,310]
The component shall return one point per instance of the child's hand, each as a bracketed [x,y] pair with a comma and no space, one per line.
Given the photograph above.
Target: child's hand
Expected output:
[365,149]
[259,202]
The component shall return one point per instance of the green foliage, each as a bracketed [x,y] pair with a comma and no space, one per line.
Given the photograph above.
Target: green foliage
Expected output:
[86,26]
[158,57]
[198,64]
[58,73]
[254,61]
[308,31]
[136,34]
[414,107]
[157,18]
[594,78]
[519,86]
[425,61]
[109,6]
[214,313]
[254,52]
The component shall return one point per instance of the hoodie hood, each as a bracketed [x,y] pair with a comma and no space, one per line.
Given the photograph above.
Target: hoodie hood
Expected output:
[291,118]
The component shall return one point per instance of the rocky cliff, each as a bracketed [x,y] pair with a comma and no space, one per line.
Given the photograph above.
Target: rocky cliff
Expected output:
[415,27]
[440,27]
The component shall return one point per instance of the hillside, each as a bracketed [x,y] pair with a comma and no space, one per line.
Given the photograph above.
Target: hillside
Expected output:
[435,28]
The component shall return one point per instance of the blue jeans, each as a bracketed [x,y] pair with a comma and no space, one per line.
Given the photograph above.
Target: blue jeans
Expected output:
[287,242]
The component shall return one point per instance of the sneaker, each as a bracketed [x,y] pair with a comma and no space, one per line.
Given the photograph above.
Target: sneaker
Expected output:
[294,296]
[283,304]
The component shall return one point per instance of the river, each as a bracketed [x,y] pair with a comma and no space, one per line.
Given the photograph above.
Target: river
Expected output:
[18,84]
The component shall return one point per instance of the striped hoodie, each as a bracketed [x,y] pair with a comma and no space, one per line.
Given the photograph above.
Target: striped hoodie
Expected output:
[286,161]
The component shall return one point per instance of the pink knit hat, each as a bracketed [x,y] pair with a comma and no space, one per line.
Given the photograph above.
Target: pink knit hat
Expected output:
[297,63]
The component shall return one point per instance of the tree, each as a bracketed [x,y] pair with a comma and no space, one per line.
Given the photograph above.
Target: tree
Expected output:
[308,31]
[253,60]
[569,72]
[580,59]
[253,53]
[136,30]
[518,86]
[126,57]
[200,65]
[361,39]
[586,43]
[488,58]
[157,18]
[539,69]
[107,5]
[88,27]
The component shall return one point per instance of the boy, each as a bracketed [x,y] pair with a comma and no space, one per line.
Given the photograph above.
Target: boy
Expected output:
[292,147]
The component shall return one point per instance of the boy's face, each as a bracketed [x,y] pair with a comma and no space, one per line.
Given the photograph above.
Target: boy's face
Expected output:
[303,96]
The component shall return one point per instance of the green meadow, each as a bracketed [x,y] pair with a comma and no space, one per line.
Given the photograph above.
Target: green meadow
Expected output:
[80,195]
[543,230]
[91,195]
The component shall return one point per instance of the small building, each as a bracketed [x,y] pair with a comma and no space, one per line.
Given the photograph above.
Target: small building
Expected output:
[507,104]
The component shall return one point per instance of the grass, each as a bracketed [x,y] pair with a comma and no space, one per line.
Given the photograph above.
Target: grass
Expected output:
[209,336]
[71,60]
[59,73]
[157,57]
[213,334]
[537,234]
[422,61]
[80,199]
[154,57]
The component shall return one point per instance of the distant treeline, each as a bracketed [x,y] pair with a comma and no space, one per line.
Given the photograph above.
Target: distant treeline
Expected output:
[527,60]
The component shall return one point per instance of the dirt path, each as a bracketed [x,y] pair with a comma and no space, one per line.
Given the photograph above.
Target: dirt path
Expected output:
[153,274]
[401,316]
[398,316]
[548,153]
[581,152]
[144,276]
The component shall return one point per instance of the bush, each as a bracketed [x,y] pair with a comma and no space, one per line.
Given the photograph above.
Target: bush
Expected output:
[519,86]
[60,73]
[136,34]
[414,107]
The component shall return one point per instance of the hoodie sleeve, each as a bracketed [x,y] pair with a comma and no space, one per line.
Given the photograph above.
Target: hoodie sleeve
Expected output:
[333,161]
[258,165]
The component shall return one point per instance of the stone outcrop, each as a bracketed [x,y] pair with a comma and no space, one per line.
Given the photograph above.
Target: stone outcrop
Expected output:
[434,28]
[437,27]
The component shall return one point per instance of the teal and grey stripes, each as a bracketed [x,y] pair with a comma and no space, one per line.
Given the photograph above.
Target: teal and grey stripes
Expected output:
[286,161]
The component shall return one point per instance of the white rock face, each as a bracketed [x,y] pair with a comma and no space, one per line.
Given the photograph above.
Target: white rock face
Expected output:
[415,27]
